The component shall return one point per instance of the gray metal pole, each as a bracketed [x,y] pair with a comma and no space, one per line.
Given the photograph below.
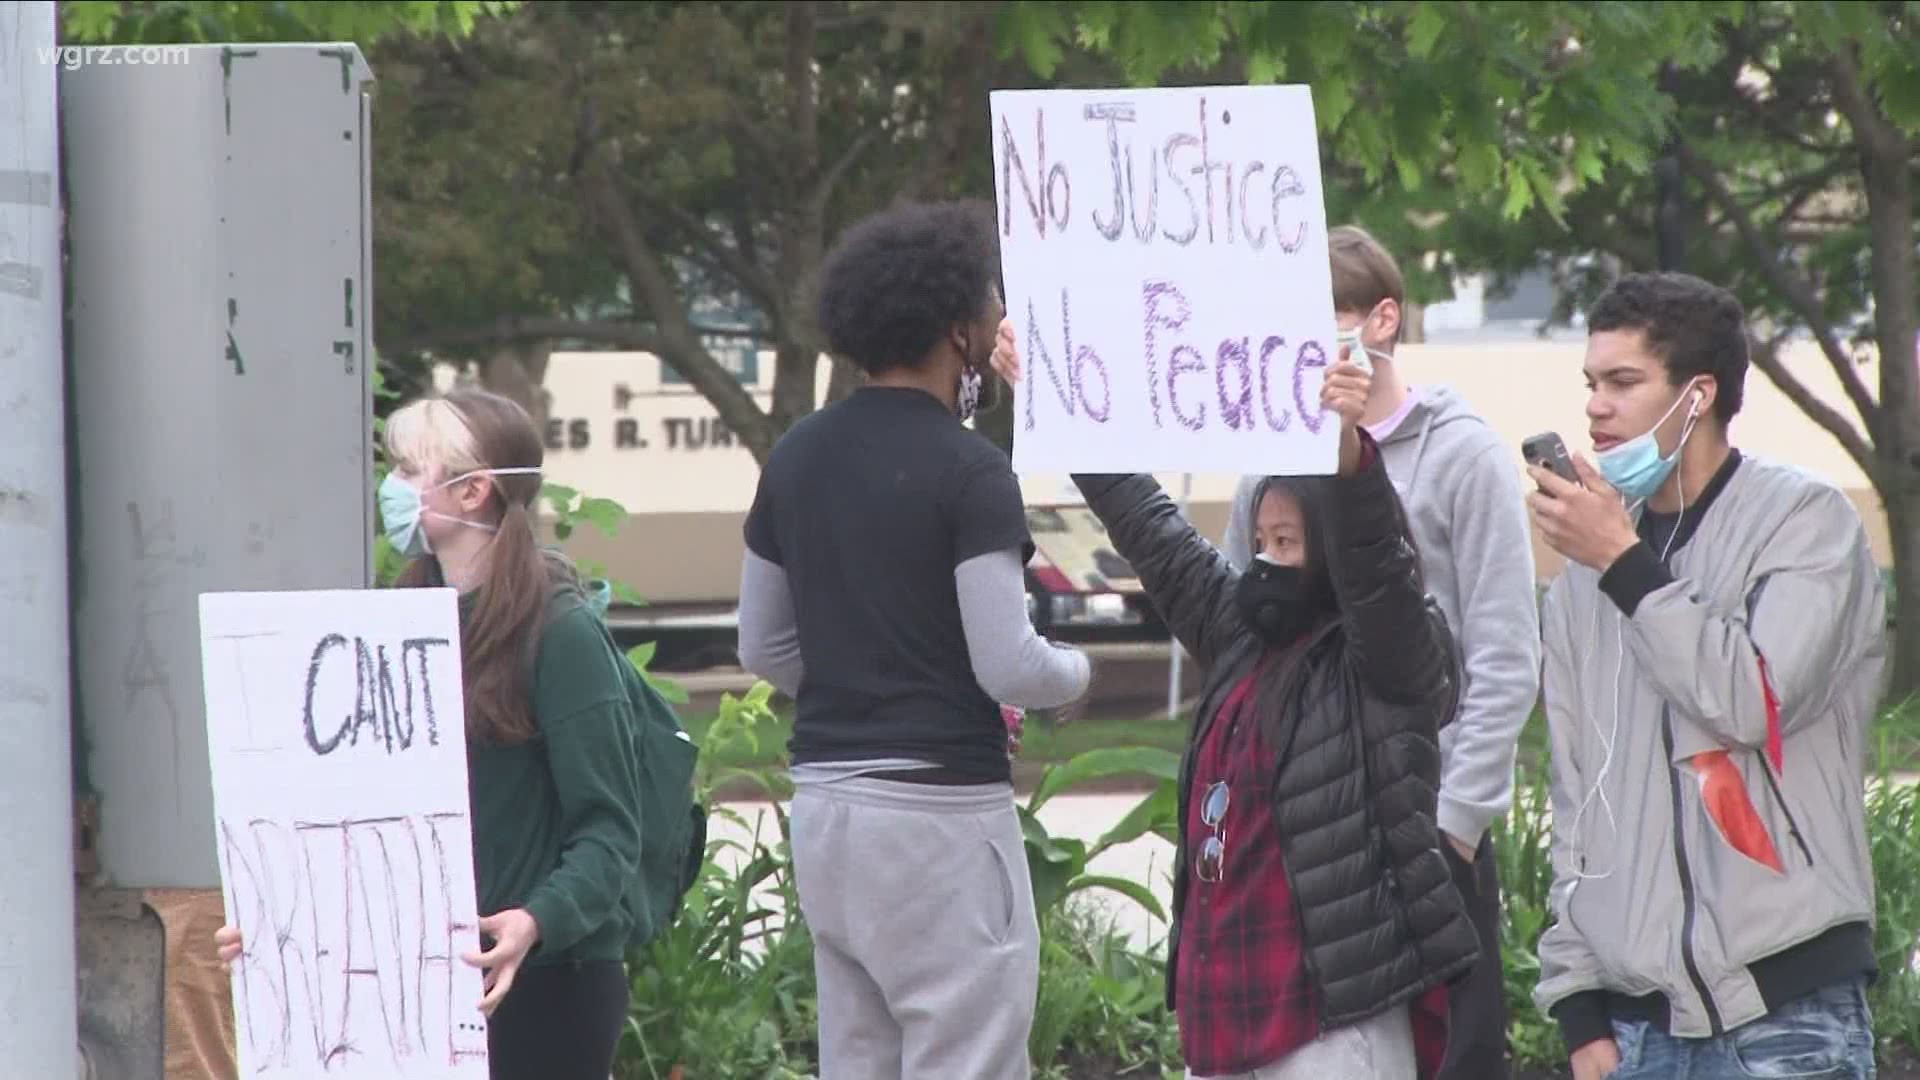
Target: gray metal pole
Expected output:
[38,1007]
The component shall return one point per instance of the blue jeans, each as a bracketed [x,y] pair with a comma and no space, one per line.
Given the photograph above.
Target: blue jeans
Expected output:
[1827,1035]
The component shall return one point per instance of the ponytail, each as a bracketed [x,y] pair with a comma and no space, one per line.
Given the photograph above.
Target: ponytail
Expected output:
[502,634]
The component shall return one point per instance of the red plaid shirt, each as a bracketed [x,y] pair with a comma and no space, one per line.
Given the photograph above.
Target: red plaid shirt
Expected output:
[1243,998]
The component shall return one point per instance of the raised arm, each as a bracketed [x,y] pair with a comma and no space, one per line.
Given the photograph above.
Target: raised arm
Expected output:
[1185,576]
[1397,635]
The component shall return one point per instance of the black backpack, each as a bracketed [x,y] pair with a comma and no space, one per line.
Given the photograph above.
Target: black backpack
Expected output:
[673,824]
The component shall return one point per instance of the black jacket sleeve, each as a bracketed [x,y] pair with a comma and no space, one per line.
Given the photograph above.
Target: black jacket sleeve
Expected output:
[1396,635]
[1189,582]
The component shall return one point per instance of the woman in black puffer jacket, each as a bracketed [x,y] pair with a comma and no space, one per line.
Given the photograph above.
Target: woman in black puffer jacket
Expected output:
[1316,928]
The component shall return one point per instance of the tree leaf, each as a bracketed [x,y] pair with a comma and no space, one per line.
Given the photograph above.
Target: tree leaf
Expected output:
[1132,890]
[1159,810]
[670,691]
[1519,193]
[1052,862]
[1332,101]
[1263,68]
[1424,29]
[760,694]
[605,514]
[1103,764]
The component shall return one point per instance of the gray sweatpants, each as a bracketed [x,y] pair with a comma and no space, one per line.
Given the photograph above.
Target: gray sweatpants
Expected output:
[926,946]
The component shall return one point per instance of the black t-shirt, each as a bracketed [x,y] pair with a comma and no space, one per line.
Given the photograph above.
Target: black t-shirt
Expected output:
[869,505]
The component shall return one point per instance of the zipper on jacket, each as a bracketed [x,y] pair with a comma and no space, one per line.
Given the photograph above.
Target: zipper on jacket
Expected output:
[1686,881]
[1793,827]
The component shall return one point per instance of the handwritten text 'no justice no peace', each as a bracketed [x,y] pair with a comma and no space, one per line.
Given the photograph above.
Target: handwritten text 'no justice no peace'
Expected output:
[1165,258]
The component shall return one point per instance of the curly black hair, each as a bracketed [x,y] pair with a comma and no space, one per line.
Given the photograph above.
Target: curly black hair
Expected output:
[1694,327]
[898,281]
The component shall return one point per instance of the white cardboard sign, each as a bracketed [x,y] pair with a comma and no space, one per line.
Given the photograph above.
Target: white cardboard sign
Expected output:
[336,725]
[1165,257]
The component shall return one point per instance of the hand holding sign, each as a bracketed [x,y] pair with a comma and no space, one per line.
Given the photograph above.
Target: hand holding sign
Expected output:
[1006,353]
[1345,394]
[514,933]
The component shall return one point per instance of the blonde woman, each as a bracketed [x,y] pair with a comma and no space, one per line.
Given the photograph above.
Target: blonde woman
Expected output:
[552,765]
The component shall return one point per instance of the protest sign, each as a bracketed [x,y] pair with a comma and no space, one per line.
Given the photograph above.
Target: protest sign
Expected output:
[336,726]
[1165,259]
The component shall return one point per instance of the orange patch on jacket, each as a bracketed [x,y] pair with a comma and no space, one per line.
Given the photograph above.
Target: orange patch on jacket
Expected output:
[1730,808]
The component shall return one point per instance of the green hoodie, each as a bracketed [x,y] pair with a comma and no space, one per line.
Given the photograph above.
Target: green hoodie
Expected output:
[556,829]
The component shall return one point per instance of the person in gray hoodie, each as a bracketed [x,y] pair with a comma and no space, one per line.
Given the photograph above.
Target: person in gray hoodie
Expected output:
[1462,488]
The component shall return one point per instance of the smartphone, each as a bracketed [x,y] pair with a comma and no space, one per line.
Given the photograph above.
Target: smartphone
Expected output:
[1549,451]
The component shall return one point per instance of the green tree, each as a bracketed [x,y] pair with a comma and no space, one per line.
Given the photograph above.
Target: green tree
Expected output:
[652,177]
[1767,146]
[118,22]
[663,177]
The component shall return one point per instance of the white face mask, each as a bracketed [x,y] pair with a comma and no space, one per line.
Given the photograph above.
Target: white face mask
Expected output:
[1358,352]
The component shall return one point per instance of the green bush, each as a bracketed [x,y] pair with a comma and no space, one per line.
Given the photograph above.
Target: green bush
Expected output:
[1101,1010]
[728,989]
[1893,815]
[1523,846]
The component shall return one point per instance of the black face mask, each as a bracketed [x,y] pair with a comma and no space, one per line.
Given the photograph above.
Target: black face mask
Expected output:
[1280,603]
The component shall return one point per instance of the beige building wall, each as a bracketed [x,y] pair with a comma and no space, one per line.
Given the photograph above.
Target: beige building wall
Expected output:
[618,432]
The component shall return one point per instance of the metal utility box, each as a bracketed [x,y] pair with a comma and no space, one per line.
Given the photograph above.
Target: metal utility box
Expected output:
[221,260]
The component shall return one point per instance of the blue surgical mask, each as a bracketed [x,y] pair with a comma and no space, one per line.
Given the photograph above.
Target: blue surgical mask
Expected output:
[403,506]
[1635,467]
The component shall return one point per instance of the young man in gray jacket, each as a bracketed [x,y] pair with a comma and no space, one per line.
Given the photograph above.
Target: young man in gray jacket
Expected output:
[1713,659]
[1462,489]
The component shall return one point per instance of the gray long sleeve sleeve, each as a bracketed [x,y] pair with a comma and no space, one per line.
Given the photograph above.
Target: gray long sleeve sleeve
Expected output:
[1012,663]
[769,633]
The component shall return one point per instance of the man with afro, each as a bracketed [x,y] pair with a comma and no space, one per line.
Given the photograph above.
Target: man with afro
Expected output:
[883,589]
